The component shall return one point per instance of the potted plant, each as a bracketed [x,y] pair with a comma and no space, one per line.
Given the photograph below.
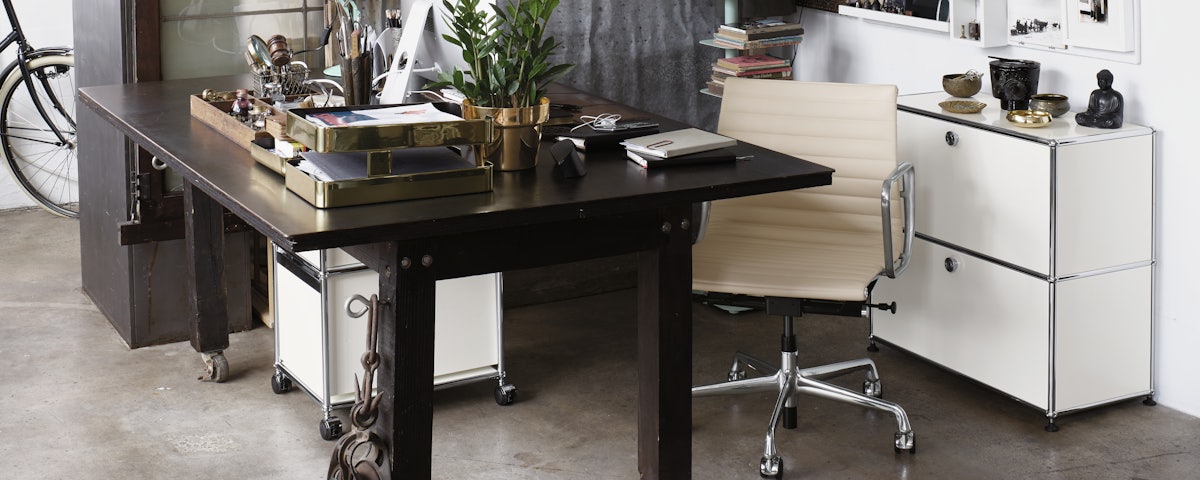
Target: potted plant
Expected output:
[508,55]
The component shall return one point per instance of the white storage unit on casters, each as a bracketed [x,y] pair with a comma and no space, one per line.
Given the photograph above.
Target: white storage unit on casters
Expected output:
[1033,265]
[318,344]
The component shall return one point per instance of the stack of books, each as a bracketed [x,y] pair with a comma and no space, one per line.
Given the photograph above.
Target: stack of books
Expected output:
[755,34]
[747,66]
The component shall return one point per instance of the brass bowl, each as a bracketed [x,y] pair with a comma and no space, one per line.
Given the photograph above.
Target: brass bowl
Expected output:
[962,106]
[1051,103]
[961,85]
[1029,118]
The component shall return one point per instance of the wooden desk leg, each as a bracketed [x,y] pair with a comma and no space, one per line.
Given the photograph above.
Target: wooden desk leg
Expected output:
[203,224]
[665,352]
[405,383]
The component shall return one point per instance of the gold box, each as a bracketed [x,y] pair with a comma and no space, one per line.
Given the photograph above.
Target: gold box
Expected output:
[379,148]
[351,138]
[452,179]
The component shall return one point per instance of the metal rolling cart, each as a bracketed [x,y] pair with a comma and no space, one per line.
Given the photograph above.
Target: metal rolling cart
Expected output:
[318,343]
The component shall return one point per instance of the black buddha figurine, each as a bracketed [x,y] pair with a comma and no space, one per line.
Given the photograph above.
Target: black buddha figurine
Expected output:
[1105,107]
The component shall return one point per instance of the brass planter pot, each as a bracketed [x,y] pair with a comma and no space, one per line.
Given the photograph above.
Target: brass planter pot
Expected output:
[519,134]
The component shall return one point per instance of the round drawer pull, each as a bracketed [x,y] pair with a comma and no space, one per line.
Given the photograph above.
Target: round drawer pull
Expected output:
[952,264]
[951,139]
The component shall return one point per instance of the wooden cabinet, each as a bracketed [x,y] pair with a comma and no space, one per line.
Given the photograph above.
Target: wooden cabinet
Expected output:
[1032,269]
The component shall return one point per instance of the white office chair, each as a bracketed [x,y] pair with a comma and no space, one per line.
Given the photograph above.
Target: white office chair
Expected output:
[817,250]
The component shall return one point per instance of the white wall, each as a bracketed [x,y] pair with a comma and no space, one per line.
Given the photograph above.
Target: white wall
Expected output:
[47,23]
[1158,93]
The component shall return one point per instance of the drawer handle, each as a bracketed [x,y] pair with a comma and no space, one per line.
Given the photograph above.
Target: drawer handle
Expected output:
[952,264]
[951,139]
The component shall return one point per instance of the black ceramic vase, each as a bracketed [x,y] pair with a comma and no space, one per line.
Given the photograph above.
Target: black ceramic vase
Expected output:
[1014,81]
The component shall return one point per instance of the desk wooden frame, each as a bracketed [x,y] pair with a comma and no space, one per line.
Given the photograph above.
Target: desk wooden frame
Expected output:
[532,218]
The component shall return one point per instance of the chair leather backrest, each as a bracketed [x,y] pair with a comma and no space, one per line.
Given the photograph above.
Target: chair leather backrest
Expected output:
[848,127]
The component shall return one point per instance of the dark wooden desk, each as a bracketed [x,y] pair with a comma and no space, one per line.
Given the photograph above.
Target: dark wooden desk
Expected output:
[530,219]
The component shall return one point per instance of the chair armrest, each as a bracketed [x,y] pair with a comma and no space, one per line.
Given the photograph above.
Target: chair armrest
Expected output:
[907,175]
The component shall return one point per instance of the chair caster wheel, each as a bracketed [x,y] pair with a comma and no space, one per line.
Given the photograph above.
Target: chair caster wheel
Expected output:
[906,441]
[331,428]
[872,388]
[505,394]
[771,467]
[216,367]
[280,383]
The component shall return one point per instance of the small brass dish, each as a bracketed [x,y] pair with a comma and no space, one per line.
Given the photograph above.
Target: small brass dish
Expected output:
[1051,103]
[962,85]
[1029,118]
[962,106]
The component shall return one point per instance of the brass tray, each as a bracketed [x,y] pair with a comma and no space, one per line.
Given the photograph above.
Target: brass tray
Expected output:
[326,139]
[456,179]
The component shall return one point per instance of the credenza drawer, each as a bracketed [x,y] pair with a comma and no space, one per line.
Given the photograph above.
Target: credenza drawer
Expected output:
[980,319]
[980,190]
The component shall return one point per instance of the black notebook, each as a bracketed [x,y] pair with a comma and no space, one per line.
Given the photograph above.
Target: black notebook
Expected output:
[720,155]
[586,138]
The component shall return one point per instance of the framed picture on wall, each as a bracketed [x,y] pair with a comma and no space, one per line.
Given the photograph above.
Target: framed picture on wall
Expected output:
[1037,23]
[1101,24]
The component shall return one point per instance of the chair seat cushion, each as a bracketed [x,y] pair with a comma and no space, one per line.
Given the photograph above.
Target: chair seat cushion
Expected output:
[804,262]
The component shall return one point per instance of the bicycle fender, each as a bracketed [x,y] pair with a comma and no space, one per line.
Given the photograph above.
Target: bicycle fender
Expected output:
[38,53]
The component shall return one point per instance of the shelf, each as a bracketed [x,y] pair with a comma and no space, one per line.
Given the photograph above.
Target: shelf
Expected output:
[706,92]
[895,19]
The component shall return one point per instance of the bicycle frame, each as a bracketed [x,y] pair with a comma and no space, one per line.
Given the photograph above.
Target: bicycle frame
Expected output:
[25,53]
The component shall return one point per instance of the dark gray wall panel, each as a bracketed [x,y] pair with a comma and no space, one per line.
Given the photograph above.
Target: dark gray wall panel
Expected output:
[643,53]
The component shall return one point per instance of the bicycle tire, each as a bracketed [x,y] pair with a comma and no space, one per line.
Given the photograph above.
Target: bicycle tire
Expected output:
[45,168]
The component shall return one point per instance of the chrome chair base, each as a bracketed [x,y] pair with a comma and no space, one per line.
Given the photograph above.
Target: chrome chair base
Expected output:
[791,381]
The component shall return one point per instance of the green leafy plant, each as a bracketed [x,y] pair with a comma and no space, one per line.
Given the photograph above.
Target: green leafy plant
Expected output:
[508,52]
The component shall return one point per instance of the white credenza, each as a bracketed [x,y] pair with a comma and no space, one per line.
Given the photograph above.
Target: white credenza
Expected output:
[318,345]
[1032,268]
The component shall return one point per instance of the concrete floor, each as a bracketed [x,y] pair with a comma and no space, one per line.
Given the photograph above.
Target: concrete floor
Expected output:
[75,403]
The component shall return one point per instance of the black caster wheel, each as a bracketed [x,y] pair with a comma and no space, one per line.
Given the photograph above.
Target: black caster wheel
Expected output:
[216,367]
[505,394]
[771,467]
[331,428]
[280,383]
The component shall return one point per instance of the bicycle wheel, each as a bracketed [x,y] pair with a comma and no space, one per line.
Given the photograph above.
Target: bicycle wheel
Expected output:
[42,164]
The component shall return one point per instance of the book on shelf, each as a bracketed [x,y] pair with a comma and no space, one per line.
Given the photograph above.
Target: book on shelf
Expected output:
[715,87]
[752,62]
[781,72]
[760,25]
[677,142]
[730,42]
[718,155]
[746,31]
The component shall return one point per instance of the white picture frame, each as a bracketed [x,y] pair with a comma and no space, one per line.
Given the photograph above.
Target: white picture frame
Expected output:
[1101,24]
[1038,23]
